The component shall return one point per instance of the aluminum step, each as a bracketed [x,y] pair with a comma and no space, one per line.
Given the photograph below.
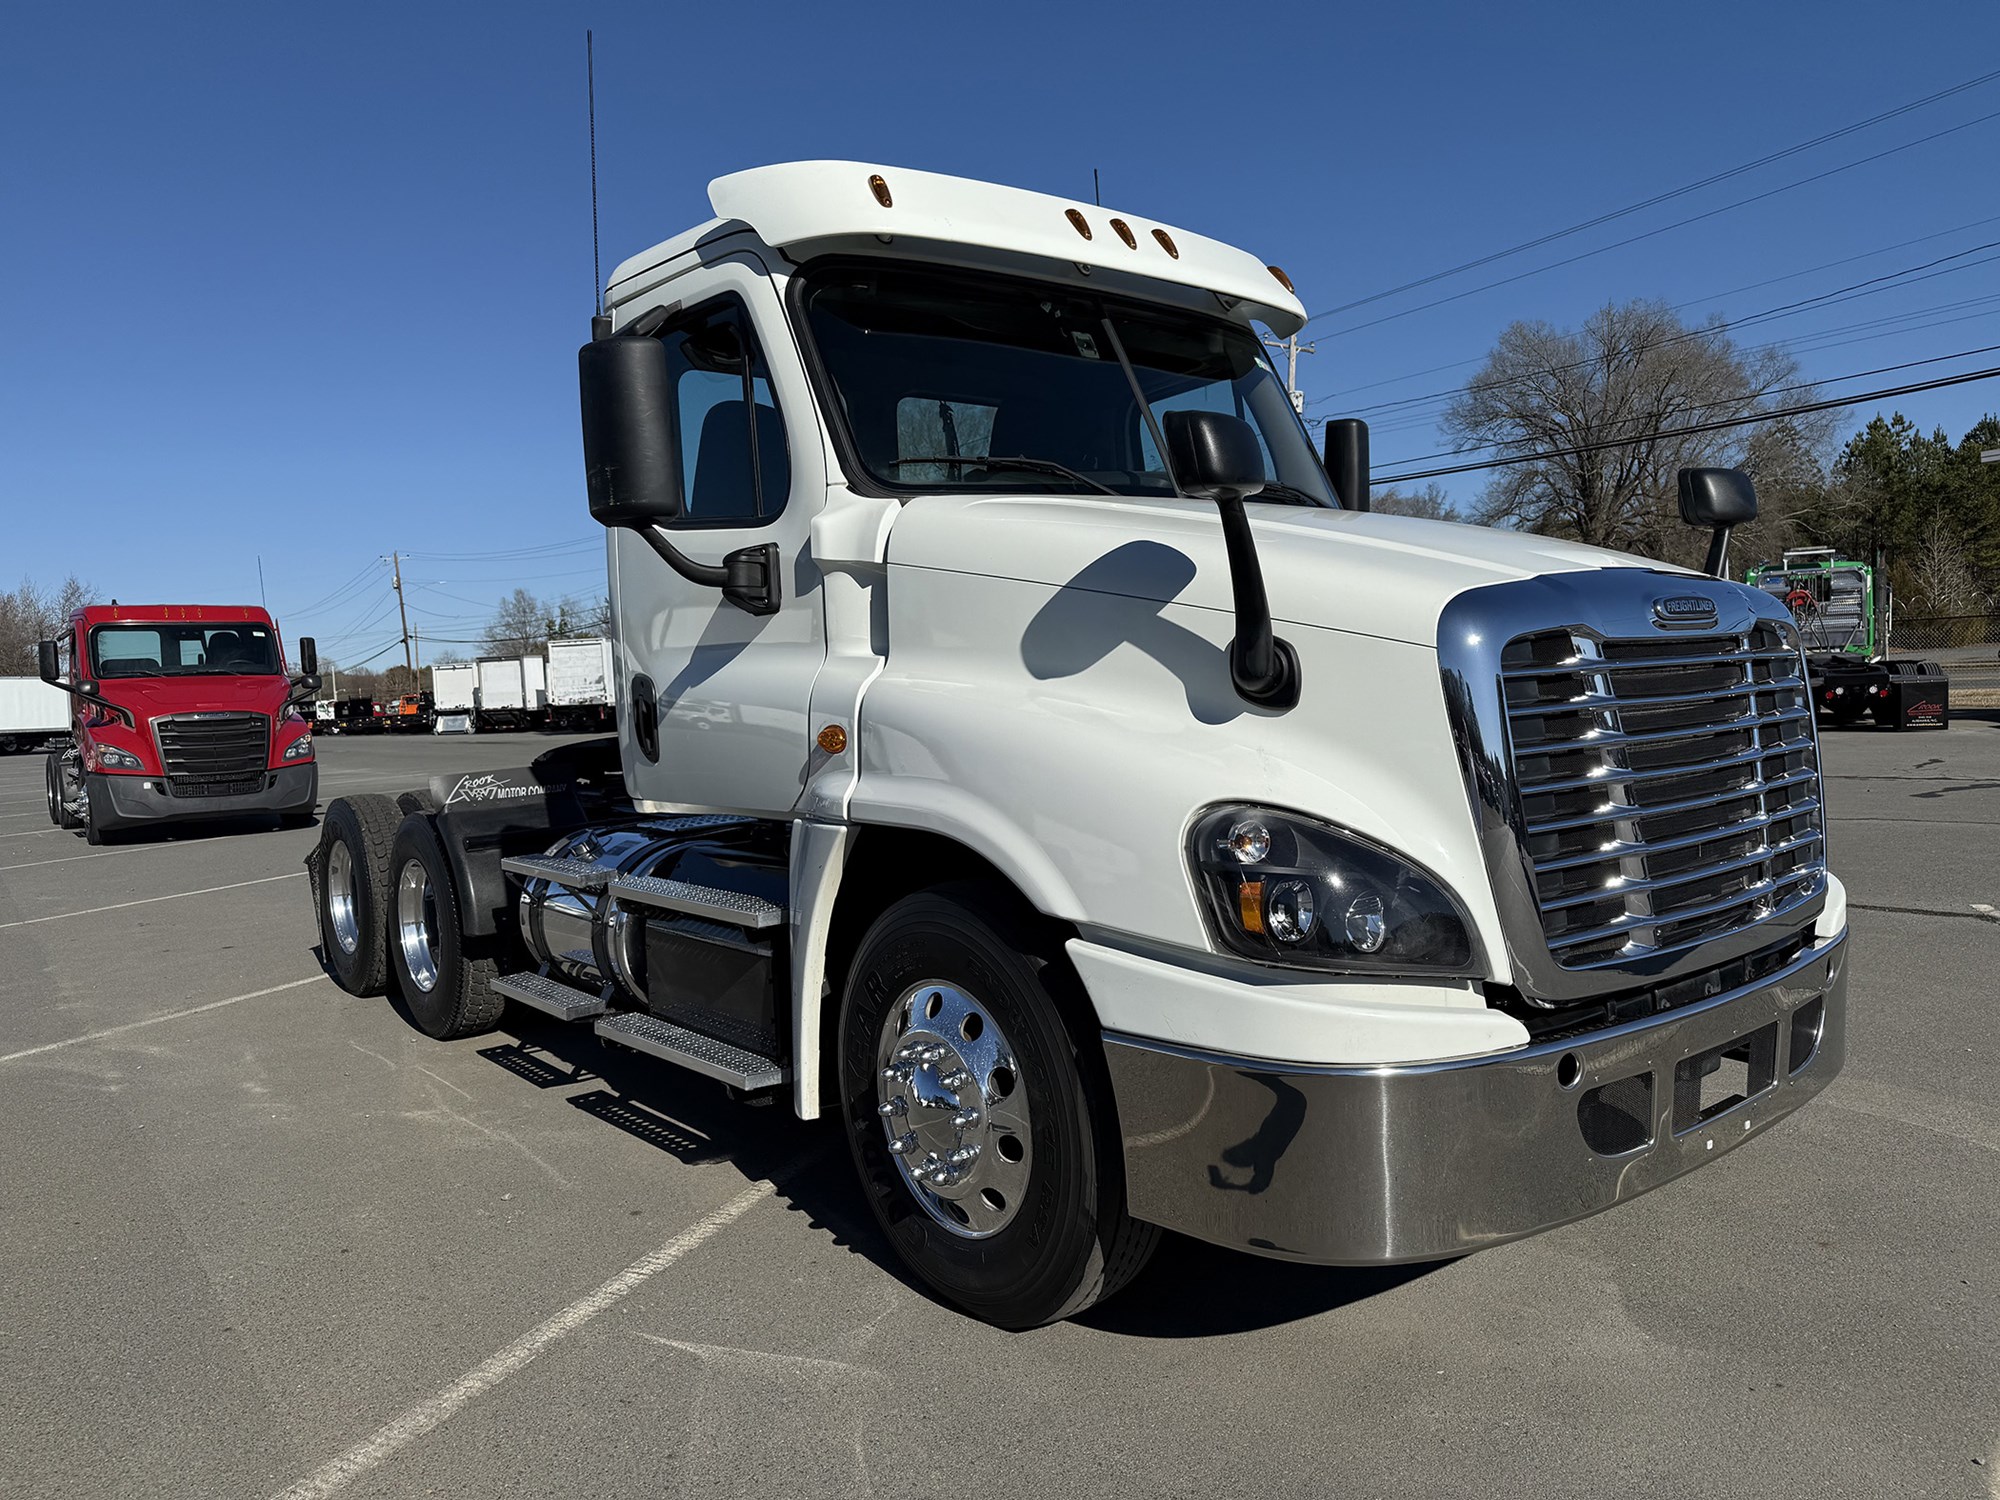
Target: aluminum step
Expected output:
[731,908]
[577,874]
[702,1054]
[551,996]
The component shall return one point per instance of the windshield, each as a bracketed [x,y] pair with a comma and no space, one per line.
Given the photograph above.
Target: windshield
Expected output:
[963,381]
[226,649]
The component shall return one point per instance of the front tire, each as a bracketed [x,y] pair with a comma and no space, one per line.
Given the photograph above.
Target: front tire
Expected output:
[979,1113]
[350,871]
[447,987]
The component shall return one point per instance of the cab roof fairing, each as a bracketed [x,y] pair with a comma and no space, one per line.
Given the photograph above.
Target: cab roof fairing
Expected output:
[807,208]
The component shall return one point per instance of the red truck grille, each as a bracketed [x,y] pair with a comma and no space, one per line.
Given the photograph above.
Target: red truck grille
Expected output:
[214,755]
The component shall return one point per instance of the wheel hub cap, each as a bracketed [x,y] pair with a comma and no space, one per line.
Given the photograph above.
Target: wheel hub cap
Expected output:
[340,898]
[416,925]
[953,1111]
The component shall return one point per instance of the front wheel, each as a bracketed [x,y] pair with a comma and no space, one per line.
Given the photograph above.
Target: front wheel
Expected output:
[979,1113]
[57,791]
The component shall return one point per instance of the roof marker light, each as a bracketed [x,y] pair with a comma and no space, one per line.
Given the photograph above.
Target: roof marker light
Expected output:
[1283,280]
[1077,222]
[1167,243]
[880,189]
[1125,234]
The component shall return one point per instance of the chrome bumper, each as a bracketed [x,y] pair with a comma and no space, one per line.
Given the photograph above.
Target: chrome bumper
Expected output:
[1347,1166]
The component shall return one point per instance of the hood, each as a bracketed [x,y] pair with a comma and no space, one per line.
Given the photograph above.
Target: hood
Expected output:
[1368,574]
[151,697]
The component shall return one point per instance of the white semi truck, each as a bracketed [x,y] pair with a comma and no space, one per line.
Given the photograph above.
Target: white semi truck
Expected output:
[1031,752]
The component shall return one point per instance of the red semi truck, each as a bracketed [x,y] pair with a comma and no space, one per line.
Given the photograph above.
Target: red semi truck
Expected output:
[179,711]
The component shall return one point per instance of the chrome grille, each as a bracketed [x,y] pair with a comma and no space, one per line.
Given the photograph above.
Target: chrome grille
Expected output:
[1669,787]
[203,751]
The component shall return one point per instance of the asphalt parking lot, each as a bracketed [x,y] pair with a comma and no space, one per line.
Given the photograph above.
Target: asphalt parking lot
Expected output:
[258,1237]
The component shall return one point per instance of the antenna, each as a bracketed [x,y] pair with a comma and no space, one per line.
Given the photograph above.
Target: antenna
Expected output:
[590,86]
[1096,192]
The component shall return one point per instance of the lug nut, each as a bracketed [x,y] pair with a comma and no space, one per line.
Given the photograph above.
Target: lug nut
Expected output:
[965,1118]
[932,1054]
[895,1075]
[902,1145]
[894,1107]
[956,1080]
[964,1156]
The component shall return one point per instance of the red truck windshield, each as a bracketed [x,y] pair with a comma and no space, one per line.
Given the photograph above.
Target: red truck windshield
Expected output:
[225,649]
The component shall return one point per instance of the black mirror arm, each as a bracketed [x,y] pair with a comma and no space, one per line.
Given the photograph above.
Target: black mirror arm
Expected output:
[1718,553]
[1264,669]
[748,577]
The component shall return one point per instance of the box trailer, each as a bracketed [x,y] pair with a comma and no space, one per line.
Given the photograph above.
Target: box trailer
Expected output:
[580,683]
[512,692]
[31,712]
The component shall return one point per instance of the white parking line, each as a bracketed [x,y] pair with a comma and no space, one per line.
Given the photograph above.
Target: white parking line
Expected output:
[210,890]
[172,1015]
[100,854]
[398,1434]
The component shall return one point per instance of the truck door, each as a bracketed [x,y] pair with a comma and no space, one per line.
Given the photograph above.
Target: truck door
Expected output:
[714,698]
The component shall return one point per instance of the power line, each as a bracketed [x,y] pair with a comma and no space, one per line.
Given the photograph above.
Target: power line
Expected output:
[1849,293]
[1661,229]
[1659,198]
[1783,390]
[1699,427]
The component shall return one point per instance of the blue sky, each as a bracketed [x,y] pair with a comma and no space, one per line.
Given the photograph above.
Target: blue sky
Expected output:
[307,284]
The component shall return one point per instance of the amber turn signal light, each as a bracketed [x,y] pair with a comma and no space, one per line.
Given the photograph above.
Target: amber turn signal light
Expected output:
[833,739]
[880,189]
[1250,905]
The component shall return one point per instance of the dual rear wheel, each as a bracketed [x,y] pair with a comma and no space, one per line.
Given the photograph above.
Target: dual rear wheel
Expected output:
[973,1090]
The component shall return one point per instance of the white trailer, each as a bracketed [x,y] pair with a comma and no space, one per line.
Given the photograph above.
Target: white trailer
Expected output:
[455,688]
[580,683]
[512,693]
[31,711]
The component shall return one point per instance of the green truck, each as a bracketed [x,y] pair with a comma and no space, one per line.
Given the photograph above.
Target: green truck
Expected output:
[1845,638]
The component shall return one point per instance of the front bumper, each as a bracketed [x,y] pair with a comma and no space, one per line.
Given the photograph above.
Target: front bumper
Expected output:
[125,801]
[1348,1166]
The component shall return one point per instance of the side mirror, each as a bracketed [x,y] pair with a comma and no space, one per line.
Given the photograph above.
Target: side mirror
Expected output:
[1216,457]
[48,662]
[628,451]
[1347,461]
[1721,499]
[308,656]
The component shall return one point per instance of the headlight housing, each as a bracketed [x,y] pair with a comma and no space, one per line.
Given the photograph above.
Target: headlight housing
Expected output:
[1285,889]
[299,748]
[111,758]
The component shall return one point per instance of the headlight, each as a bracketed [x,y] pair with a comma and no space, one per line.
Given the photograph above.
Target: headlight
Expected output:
[111,758]
[1287,890]
[299,748]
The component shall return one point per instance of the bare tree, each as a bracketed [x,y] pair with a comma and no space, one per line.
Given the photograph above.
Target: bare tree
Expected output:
[519,626]
[30,614]
[1941,575]
[1620,387]
[1430,503]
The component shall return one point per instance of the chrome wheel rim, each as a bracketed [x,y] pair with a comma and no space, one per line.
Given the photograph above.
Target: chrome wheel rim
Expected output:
[340,898]
[416,925]
[954,1109]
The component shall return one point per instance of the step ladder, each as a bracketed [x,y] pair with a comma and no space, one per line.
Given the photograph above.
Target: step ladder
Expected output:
[728,919]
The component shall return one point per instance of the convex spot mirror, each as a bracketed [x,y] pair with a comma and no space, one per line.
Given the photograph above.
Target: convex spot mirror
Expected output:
[1215,456]
[1717,497]
[628,457]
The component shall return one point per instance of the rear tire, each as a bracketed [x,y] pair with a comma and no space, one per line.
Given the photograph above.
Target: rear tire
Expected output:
[1032,1228]
[445,980]
[52,776]
[350,877]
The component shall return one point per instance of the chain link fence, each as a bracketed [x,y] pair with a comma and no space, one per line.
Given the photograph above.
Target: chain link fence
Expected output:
[1966,646]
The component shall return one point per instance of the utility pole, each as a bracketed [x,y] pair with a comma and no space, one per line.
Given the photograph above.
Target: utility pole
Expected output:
[396,564]
[1293,349]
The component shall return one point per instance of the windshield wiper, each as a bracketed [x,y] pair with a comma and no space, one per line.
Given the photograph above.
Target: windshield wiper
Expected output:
[1287,494]
[1005,461]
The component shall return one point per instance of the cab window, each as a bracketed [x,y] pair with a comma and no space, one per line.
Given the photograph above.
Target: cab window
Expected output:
[735,466]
